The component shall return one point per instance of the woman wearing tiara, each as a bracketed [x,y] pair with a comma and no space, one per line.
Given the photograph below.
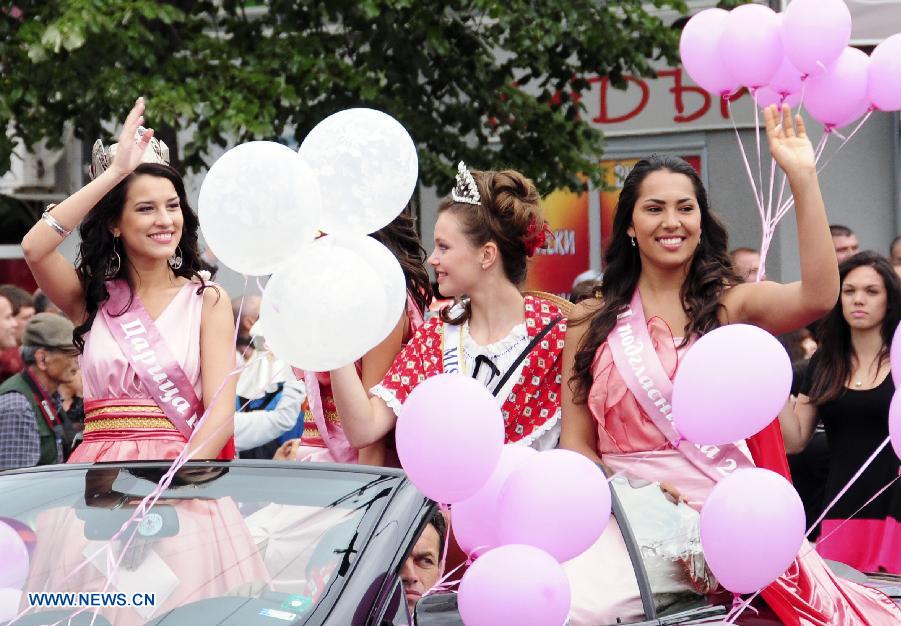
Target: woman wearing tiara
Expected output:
[510,342]
[667,281]
[323,434]
[156,337]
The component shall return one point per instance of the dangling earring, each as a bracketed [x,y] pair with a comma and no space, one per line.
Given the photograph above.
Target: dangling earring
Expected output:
[114,263]
[175,260]
[632,239]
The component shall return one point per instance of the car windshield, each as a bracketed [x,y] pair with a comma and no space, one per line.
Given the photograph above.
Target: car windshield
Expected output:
[256,543]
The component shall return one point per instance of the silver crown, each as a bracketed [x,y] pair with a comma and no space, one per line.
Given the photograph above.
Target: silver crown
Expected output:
[102,157]
[465,190]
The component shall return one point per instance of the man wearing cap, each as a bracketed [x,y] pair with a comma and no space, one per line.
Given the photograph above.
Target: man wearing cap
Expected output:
[33,428]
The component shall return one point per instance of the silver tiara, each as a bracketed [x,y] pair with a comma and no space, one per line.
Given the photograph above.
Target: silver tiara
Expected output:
[102,157]
[465,190]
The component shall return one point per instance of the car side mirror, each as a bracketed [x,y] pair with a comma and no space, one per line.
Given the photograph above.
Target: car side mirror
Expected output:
[439,609]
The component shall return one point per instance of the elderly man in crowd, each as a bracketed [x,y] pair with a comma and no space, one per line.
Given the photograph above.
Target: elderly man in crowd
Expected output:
[34,430]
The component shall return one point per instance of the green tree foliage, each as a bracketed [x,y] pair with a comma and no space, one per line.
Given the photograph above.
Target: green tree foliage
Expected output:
[493,83]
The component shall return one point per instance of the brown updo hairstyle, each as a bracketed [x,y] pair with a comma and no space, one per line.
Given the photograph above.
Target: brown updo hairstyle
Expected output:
[509,214]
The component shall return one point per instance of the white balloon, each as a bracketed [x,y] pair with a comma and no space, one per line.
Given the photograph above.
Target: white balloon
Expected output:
[257,204]
[367,168]
[324,308]
[391,275]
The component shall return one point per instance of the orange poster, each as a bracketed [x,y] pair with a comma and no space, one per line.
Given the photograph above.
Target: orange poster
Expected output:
[567,253]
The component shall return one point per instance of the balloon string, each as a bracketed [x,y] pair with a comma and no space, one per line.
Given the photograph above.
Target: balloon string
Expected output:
[240,312]
[744,158]
[853,132]
[821,148]
[738,606]
[757,138]
[854,514]
[844,489]
[445,584]
[147,503]
[790,202]
[731,618]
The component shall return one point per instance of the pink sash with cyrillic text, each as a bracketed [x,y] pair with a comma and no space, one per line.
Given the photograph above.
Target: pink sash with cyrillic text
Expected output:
[638,364]
[147,353]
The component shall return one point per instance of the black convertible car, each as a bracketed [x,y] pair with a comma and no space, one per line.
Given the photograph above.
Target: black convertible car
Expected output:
[242,543]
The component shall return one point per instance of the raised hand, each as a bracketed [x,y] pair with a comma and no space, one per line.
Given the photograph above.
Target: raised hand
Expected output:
[788,141]
[129,151]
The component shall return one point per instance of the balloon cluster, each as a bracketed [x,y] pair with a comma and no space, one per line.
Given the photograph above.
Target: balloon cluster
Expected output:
[800,55]
[14,557]
[303,217]
[730,385]
[518,512]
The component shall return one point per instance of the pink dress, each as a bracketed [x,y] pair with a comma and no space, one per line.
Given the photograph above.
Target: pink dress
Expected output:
[213,552]
[110,382]
[807,594]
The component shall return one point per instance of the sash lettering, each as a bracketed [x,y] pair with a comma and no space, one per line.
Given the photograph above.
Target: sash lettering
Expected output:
[146,351]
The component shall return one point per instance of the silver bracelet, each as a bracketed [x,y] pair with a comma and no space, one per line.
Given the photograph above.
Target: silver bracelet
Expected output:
[47,217]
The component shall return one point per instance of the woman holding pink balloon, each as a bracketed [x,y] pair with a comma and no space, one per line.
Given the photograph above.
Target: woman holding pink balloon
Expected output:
[510,343]
[667,282]
[849,386]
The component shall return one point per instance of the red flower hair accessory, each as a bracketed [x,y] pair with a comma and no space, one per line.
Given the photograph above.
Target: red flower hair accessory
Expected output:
[535,238]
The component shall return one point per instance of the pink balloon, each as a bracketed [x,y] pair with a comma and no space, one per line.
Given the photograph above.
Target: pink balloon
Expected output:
[13,557]
[884,80]
[894,423]
[751,44]
[558,501]
[838,96]
[449,435]
[475,519]
[752,526]
[787,79]
[732,382]
[698,49]
[815,32]
[515,584]
[766,96]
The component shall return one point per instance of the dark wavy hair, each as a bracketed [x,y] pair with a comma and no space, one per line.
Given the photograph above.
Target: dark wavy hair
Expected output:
[509,214]
[709,275]
[401,238]
[98,244]
[835,353]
